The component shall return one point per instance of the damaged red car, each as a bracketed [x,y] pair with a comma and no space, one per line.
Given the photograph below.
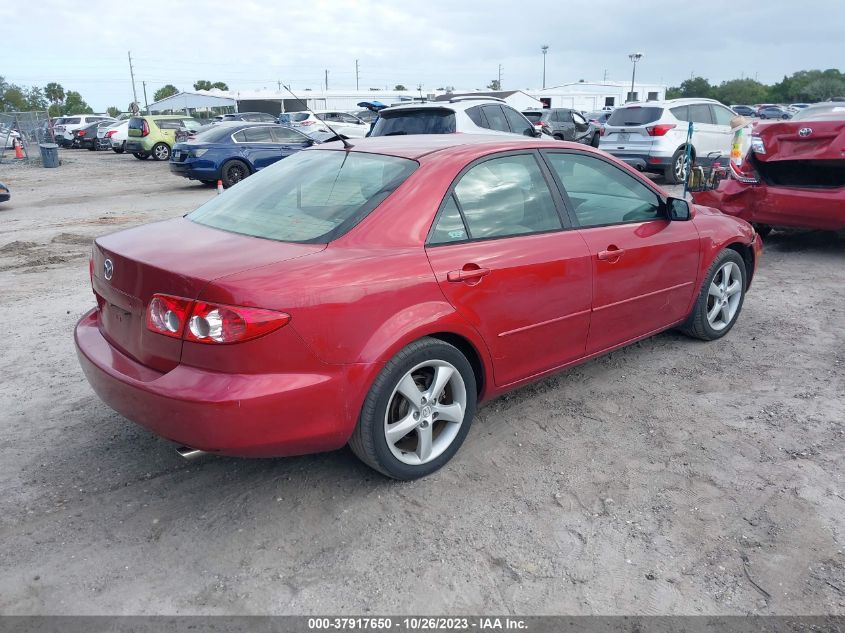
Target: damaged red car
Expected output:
[787,173]
[373,295]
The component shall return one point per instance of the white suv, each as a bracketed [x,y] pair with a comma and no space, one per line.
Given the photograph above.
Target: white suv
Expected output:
[64,131]
[469,115]
[343,123]
[652,136]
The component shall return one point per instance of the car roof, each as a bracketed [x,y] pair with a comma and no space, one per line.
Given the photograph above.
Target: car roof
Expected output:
[464,104]
[418,146]
[669,102]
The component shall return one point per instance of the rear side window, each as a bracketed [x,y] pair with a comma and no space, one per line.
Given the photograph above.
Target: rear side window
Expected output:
[427,121]
[700,113]
[168,124]
[450,225]
[602,194]
[517,122]
[635,115]
[257,135]
[476,115]
[502,197]
[496,118]
[310,197]
[681,113]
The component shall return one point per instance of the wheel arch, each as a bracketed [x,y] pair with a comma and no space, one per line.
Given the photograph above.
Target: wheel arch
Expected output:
[468,349]
[747,253]
[237,159]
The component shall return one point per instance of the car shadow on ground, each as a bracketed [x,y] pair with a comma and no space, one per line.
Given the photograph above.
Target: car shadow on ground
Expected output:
[796,240]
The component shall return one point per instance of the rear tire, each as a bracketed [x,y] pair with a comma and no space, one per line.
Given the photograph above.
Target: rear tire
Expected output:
[161,151]
[676,171]
[233,172]
[720,298]
[406,437]
[596,140]
[119,150]
[140,155]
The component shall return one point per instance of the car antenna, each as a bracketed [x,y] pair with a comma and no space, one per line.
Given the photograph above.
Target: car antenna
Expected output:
[346,144]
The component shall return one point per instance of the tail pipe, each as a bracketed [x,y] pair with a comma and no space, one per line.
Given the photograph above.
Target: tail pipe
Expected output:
[186,452]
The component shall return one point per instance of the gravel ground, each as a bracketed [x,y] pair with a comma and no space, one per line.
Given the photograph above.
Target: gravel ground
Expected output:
[672,477]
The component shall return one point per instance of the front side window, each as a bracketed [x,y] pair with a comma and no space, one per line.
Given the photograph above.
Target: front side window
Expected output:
[314,196]
[501,197]
[257,135]
[287,135]
[517,122]
[601,193]
[722,116]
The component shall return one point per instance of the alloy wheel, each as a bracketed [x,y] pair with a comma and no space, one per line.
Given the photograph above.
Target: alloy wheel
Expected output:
[724,296]
[425,412]
[681,168]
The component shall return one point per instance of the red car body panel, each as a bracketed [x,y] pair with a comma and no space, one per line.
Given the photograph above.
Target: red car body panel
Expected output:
[548,303]
[812,196]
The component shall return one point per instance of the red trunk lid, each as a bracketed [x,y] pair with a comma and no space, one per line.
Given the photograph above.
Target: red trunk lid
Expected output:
[801,140]
[175,257]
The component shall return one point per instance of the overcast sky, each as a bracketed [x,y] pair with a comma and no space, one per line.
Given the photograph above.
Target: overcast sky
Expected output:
[252,45]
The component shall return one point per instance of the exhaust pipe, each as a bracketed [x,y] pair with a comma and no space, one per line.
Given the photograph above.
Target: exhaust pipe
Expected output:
[186,452]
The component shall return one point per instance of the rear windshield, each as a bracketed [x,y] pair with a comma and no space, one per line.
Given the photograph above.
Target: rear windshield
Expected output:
[310,197]
[634,115]
[72,120]
[428,121]
[533,116]
[298,116]
[213,134]
[136,123]
[833,112]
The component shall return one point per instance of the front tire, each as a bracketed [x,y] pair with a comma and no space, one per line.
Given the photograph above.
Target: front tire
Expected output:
[720,299]
[417,412]
[161,151]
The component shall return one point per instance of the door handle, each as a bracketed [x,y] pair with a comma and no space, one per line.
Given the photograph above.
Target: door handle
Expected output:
[467,274]
[611,254]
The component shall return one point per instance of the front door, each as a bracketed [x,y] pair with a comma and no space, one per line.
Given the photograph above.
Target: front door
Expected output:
[644,266]
[506,262]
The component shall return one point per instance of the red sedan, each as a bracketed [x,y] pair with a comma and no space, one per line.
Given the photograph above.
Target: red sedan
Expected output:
[374,295]
[788,173]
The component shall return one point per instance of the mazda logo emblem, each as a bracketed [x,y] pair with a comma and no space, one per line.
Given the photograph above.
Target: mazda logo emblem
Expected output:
[108,269]
[805,131]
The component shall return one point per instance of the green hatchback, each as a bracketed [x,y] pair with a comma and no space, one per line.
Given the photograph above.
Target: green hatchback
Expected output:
[155,135]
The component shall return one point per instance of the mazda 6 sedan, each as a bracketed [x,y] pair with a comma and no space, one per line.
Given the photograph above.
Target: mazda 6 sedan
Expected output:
[373,295]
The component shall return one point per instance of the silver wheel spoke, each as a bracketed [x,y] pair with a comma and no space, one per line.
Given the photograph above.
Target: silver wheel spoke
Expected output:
[408,388]
[424,444]
[726,313]
[400,429]
[442,375]
[714,290]
[450,412]
[714,311]
[733,288]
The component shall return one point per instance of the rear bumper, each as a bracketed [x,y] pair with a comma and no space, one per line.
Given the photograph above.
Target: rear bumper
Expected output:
[249,415]
[640,161]
[189,169]
[822,209]
[136,147]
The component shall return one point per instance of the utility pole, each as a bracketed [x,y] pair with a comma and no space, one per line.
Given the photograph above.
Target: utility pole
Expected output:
[327,79]
[545,49]
[356,75]
[605,75]
[500,76]
[146,105]
[279,84]
[634,57]
[132,74]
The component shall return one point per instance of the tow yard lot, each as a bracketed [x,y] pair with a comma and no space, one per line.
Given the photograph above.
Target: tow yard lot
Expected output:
[670,477]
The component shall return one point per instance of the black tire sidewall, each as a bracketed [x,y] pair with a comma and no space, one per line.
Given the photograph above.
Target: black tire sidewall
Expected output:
[155,156]
[224,173]
[379,398]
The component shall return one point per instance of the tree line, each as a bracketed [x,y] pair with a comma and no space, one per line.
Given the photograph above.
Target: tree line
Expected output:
[57,101]
[804,86]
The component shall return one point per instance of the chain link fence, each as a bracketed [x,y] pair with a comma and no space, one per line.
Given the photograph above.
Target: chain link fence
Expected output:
[26,129]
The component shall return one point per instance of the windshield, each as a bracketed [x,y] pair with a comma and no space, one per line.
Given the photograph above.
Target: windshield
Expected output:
[822,112]
[311,197]
[298,116]
[634,115]
[427,121]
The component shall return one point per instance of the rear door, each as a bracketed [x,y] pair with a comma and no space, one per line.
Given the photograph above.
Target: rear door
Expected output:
[722,128]
[168,129]
[507,263]
[706,137]
[644,266]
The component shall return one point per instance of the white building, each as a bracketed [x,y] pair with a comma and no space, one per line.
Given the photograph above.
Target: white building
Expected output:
[590,96]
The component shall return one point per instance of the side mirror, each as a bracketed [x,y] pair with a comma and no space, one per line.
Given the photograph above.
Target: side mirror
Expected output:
[677,209]
[533,132]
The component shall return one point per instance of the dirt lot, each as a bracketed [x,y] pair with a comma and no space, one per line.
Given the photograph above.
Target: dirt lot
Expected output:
[674,476]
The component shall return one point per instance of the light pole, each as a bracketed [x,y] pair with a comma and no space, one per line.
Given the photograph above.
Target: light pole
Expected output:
[545,49]
[634,57]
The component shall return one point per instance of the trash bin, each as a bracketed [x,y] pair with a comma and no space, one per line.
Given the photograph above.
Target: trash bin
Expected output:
[49,154]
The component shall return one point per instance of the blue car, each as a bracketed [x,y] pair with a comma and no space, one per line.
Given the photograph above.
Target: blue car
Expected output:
[232,151]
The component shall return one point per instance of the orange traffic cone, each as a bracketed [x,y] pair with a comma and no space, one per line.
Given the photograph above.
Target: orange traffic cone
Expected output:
[18,149]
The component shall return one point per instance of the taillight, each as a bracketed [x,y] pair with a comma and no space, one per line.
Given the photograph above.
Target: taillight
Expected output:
[307,122]
[211,323]
[659,130]
[111,133]
[145,130]
[202,322]
[168,315]
[81,132]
